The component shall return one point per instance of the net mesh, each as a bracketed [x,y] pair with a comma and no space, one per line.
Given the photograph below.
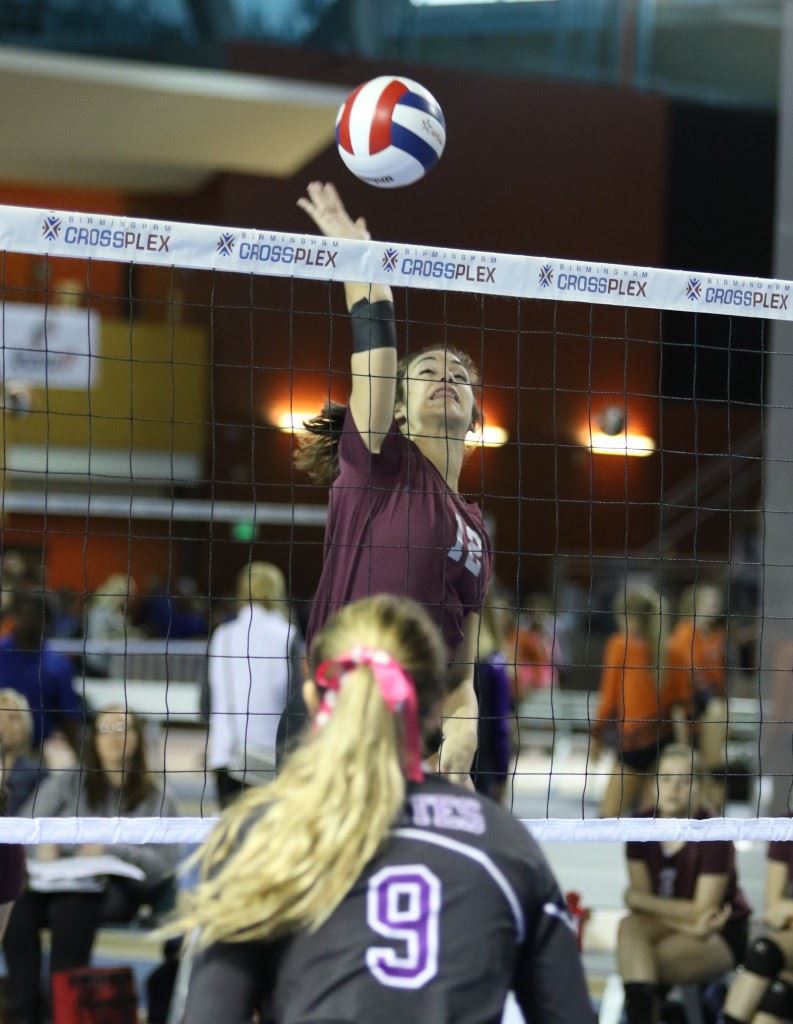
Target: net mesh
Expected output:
[154,375]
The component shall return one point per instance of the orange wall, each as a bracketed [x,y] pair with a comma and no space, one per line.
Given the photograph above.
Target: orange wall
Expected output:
[81,558]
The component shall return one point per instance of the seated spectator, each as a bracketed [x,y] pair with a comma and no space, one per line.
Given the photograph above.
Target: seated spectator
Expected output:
[175,616]
[762,992]
[66,615]
[631,710]
[688,919]
[114,781]
[107,617]
[22,772]
[249,665]
[13,582]
[45,678]
[496,706]
[696,681]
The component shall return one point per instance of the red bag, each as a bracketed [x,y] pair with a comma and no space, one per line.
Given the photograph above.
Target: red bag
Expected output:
[94,995]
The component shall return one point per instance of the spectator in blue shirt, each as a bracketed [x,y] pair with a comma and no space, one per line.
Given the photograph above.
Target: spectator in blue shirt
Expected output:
[28,666]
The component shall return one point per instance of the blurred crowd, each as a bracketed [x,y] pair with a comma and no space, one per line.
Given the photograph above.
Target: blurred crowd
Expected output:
[662,663]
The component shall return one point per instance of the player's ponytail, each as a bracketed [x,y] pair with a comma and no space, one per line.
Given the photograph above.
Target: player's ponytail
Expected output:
[317,451]
[284,857]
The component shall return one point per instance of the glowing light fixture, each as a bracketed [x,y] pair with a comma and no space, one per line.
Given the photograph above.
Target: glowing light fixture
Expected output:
[624,443]
[488,436]
[292,422]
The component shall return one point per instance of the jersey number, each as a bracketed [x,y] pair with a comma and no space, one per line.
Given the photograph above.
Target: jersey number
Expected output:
[468,543]
[403,905]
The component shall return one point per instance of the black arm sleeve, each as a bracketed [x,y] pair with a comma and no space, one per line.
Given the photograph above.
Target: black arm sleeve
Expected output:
[549,981]
[228,981]
[372,325]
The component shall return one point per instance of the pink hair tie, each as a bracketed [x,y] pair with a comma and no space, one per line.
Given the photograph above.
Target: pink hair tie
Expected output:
[396,687]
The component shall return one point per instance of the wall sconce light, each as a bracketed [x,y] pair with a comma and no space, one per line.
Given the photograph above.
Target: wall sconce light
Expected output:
[624,443]
[613,437]
[488,436]
[291,422]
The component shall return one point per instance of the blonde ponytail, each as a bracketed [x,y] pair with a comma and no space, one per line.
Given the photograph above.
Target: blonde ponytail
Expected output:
[285,856]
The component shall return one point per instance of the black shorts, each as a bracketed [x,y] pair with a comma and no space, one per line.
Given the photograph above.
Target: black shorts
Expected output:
[643,758]
[736,934]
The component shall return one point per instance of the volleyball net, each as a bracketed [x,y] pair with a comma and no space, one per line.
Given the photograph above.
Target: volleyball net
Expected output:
[156,377]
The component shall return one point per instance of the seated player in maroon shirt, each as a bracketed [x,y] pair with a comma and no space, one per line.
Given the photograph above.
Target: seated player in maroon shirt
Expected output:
[355,890]
[397,523]
[762,992]
[688,919]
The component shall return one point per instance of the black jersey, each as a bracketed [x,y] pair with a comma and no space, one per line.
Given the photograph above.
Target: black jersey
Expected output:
[458,908]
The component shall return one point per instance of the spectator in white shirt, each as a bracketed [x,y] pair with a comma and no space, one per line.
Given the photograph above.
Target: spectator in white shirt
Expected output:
[249,665]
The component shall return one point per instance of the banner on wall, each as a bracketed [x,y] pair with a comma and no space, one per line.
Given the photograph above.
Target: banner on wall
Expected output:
[49,346]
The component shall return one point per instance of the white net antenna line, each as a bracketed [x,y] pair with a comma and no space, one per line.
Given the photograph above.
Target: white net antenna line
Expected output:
[190,830]
[270,253]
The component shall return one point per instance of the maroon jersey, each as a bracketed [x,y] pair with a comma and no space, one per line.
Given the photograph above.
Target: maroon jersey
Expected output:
[783,852]
[676,877]
[395,527]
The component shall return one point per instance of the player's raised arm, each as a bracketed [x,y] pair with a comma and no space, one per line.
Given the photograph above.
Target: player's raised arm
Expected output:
[374,357]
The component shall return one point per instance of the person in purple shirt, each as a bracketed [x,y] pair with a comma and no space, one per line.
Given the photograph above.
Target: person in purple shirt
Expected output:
[494,691]
[397,522]
[46,678]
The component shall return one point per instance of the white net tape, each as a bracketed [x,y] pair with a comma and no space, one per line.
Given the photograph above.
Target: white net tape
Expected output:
[249,251]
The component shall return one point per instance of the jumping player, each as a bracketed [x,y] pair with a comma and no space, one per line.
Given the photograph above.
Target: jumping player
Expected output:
[397,523]
[355,890]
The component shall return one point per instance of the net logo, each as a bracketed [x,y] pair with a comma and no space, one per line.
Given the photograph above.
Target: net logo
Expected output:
[390,257]
[546,276]
[265,252]
[746,297]
[583,282]
[448,270]
[110,238]
[51,228]
[694,289]
[225,246]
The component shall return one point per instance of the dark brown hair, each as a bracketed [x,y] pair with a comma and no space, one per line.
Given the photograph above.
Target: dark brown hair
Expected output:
[318,449]
[136,784]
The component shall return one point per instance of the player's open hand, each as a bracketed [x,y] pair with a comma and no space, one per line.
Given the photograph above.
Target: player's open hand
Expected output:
[324,206]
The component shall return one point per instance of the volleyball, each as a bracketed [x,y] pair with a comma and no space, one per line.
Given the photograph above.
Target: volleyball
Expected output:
[390,131]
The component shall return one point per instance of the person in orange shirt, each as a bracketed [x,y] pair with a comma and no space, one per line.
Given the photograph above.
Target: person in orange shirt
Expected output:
[632,704]
[533,647]
[696,681]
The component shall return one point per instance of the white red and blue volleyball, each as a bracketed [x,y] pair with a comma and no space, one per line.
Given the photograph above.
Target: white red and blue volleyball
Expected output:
[390,131]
